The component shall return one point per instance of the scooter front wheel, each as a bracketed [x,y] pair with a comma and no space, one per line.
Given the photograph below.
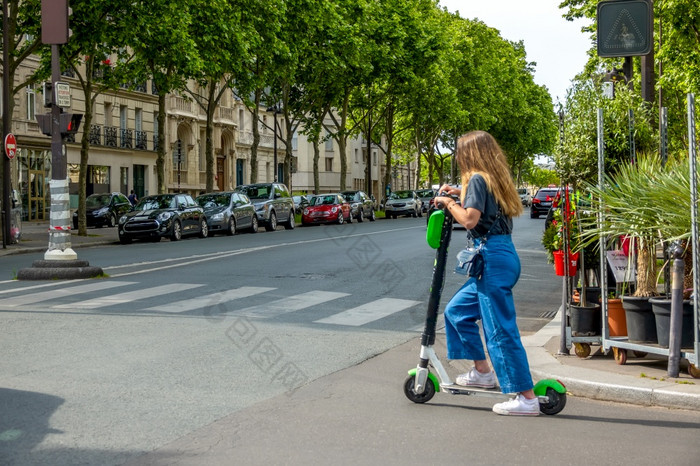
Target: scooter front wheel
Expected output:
[424,397]
[556,402]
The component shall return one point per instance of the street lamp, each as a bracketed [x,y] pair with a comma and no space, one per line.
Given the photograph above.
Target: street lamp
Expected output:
[275,111]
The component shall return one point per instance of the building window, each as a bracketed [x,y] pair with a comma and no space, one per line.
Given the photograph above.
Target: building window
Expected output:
[329,164]
[202,151]
[179,155]
[138,119]
[108,114]
[295,141]
[31,102]
[241,118]
[374,157]
[123,114]
[329,142]
[357,157]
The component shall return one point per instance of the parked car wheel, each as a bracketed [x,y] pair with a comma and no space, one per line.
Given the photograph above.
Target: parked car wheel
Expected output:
[231,230]
[176,234]
[349,218]
[254,225]
[361,216]
[203,228]
[290,222]
[372,217]
[272,224]
[341,219]
[112,221]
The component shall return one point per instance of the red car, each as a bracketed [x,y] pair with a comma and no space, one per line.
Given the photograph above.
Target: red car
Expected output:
[327,208]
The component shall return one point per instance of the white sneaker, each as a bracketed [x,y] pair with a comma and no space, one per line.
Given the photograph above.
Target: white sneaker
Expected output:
[518,406]
[474,378]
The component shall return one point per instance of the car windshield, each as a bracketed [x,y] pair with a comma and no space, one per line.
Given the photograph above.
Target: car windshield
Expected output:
[156,202]
[97,200]
[548,194]
[425,193]
[324,200]
[255,192]
[401,195]
[214,200]
[522,191]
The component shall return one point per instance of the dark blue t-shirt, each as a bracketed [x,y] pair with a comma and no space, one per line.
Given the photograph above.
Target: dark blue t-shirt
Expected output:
[480,198]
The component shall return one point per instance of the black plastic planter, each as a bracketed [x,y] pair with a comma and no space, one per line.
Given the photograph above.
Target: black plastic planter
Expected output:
[641,324]
[662,312]
[585,321]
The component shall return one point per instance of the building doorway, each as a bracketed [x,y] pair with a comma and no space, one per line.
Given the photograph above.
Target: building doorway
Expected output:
[220,173]
[35,172]
[139,180]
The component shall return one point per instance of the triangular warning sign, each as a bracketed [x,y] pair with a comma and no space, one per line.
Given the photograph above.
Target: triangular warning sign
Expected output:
[625,34]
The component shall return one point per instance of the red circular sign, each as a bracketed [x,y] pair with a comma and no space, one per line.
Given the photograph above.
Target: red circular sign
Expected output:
[10,146]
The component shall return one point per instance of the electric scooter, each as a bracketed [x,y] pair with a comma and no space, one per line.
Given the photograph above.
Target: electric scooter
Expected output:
[422,384]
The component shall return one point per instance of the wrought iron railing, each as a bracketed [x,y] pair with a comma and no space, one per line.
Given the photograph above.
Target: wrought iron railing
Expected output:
[95,136]
[141,140]
[111,136]
[127,138]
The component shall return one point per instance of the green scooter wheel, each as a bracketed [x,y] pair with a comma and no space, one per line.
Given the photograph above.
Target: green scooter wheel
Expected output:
[415,397]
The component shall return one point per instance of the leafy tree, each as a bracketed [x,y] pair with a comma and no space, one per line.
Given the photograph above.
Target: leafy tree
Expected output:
[100,62]
[165,52]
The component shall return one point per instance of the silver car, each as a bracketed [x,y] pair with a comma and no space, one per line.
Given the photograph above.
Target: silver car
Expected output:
[228,212]
[403,203]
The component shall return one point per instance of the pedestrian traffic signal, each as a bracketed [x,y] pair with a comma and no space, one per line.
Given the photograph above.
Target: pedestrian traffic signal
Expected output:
[69,123]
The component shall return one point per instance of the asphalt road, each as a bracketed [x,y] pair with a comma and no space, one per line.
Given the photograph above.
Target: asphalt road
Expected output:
[183,334]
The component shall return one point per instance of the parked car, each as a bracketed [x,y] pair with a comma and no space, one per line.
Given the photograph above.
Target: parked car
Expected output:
[299,203]
[327,208]
[361,205]
[171,215]
[103,209]
[272,203]
[228,212]
[403,203]
[426,195]
[542,201]
[525,197]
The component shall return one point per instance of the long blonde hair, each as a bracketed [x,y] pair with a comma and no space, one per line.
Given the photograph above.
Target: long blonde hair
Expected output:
[478,152]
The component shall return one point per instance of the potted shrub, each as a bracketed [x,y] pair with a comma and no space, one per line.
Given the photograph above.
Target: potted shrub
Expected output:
[629,209]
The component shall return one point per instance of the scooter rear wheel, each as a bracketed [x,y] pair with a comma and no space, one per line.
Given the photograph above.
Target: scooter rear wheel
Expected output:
[556,402]
[415,397]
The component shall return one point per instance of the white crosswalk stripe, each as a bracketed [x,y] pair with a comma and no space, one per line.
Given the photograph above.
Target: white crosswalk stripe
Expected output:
[80,297]
[369,312]
[215,299]
[60,293]
[290,304]
[128,297]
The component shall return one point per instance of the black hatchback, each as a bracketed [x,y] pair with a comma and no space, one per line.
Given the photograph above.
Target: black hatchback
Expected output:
[171,215]
[103,210]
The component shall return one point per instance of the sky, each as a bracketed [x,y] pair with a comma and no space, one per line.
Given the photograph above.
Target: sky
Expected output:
[556,45]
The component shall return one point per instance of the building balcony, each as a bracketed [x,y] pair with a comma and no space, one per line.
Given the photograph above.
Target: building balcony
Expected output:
[111,136]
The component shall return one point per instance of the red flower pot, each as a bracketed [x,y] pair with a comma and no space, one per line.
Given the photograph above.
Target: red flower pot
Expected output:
[559,263]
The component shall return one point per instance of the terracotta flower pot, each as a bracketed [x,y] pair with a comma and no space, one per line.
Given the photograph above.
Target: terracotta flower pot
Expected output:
[617,322]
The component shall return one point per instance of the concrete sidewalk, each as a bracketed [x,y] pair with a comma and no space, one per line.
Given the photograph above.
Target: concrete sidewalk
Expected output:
[641,381]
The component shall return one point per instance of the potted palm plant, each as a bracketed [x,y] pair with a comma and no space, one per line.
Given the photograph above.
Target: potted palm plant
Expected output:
[629,206]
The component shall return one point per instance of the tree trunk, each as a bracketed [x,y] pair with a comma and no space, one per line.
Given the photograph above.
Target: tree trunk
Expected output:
[209,148]
[317,156]
[160,158]
[256,139]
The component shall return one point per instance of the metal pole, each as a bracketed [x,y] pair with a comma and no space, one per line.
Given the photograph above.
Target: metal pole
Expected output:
[633,152]
[6,123]
[601,241]
[694,219]
[274,148]
[676,321]
[59,225]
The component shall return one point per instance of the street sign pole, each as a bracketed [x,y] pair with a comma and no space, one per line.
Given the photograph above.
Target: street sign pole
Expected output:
[6,122]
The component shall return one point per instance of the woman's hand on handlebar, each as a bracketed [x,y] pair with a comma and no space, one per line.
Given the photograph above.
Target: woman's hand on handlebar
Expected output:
[447,190]
[442,201]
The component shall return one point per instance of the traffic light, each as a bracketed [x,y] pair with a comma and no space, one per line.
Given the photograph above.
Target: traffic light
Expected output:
[69,123]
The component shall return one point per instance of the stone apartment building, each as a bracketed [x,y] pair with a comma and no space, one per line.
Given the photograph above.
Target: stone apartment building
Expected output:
[123,144]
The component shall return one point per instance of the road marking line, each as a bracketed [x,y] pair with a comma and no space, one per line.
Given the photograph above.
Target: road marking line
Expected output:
[369,312]
[128,297]
[212,300]
[60,293]
[290,304]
